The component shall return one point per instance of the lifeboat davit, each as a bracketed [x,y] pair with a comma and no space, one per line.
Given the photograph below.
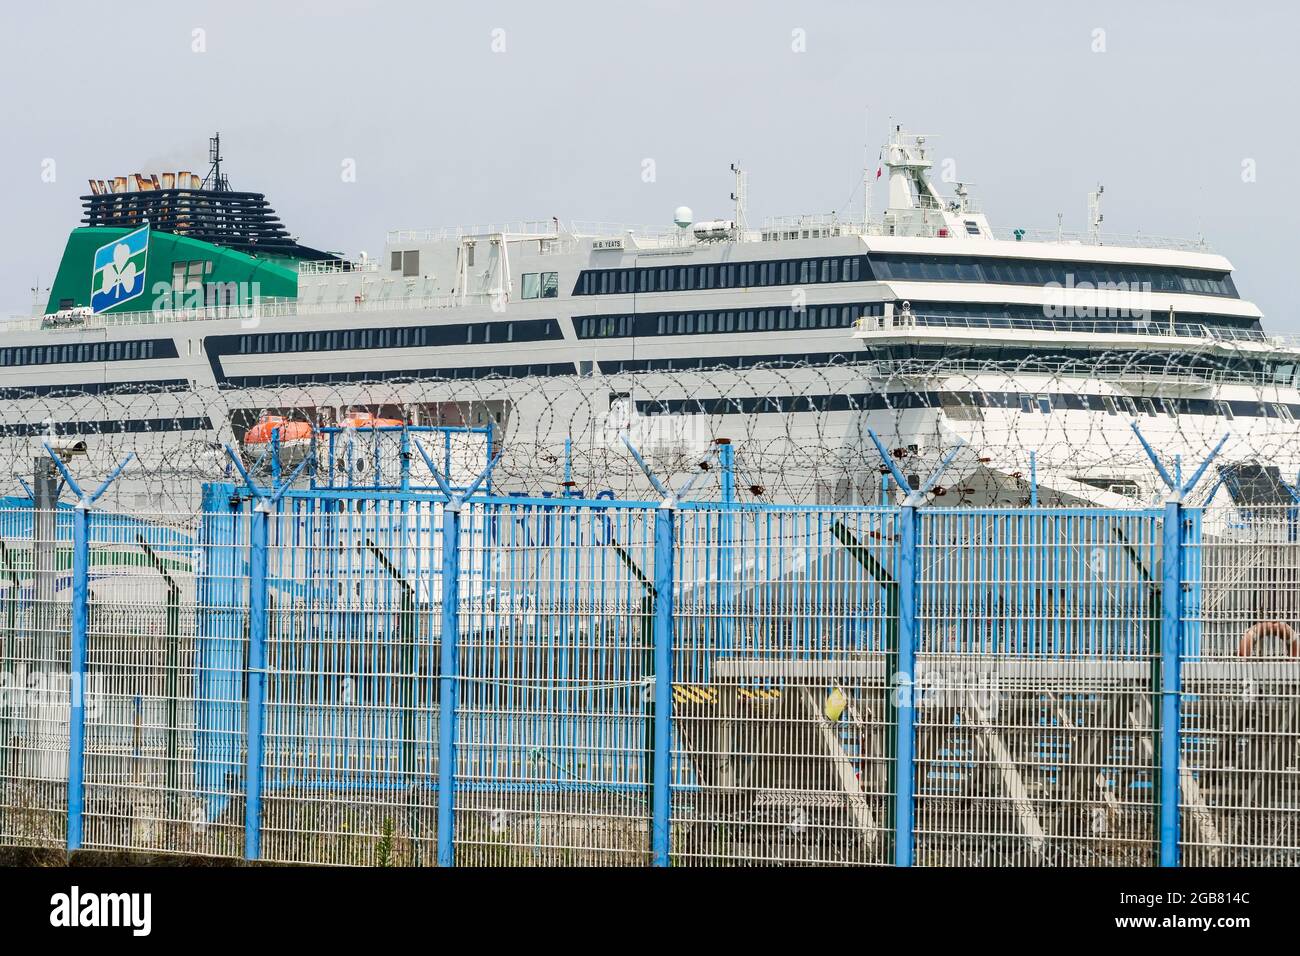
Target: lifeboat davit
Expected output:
[369,420]
[295,438]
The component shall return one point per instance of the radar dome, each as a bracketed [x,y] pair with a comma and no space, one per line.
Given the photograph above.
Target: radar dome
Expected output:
[682,216]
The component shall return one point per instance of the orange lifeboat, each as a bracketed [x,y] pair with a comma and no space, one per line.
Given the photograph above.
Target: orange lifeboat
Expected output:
[295,438]
[369,420]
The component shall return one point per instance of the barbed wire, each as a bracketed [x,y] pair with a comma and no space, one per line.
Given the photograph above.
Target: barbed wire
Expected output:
[799,430]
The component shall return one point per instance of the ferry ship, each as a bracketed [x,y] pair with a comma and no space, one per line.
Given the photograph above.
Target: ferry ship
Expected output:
[183,314]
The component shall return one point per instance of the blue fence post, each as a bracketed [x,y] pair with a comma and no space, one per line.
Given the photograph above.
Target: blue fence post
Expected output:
[663,692]
[77,673]
[1171,680]
[1170,689]
[77,638]
[726,536]
[257,630]
[406,459]
[904,689]
[219,654]
[447,680]
[905,680]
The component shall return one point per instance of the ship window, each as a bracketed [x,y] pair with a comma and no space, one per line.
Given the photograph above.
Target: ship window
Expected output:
[1149,407]
[411,261]
[550,285]
[1225,410]
[1025,405]
[1044,404]
[532,285]
[396,264]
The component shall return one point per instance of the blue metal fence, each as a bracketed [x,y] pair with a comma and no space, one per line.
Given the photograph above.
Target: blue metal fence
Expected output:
[379,675]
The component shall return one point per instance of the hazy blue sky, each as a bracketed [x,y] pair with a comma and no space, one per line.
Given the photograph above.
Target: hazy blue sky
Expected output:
[444,130]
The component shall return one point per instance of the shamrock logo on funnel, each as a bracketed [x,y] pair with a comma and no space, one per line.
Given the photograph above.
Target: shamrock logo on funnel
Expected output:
[119,270]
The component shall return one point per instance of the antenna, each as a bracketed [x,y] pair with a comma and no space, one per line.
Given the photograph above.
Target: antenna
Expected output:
[1094,215]
[219,183]
[866,171]
[741,199]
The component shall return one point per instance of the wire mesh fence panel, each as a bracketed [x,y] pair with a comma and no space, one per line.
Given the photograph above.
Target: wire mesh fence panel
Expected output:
[34,582]
[1240,770]
[1042,665]
[784,622]
[555,721]
[352,709]
[165,661]
[1038,632]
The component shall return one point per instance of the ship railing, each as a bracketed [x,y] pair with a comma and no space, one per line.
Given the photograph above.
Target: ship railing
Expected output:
[805,226]
[613,230]
[268,307]
[525,227]
[812,226]
[1132,240]
[1149,326]
[1137,373]
[1256,337]
[1100,326]
[265,308]
[818,226]
[333,266]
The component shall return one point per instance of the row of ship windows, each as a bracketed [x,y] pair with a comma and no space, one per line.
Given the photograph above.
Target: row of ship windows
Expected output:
[116,426]
[727,275]
[95,388]
[87,352]
[1138,405]
[600,326]
[916,268]
[1029,359]
[398,337]
[536,369]
[898,267]
[1116,360]
[733,320]
[967,404]
[970,401]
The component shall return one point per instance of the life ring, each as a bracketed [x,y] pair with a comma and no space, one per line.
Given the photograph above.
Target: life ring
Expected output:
[1263,629]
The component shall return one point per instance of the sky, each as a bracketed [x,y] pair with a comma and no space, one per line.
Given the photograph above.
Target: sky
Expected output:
[361,117]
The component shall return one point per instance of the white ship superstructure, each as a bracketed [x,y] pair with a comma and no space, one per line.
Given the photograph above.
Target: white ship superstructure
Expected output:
[793,340]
